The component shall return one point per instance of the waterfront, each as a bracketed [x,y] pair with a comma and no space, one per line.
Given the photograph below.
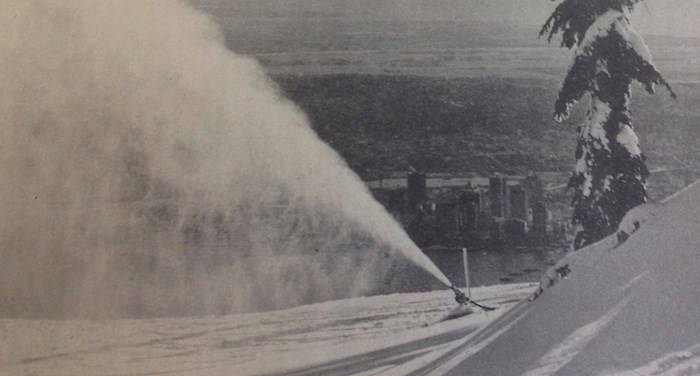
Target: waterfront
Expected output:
[507,264]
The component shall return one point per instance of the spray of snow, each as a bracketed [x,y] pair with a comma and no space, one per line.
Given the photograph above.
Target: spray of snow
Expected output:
[147,170]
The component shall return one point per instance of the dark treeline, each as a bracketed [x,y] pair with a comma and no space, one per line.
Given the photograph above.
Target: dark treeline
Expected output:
[491,124]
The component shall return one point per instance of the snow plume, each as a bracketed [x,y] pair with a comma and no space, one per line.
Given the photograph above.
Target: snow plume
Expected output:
[149,171]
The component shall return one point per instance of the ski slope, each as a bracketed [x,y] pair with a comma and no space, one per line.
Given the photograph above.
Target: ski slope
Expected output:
[361,336]
[622,309]
[630,310]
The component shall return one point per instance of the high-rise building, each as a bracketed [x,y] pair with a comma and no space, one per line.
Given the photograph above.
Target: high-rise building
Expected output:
[417,190]
[518,202]
[470,210]
[539,222]
[533,187]
[498,192]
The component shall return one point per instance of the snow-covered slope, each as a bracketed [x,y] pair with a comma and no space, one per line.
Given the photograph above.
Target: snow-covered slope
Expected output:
[347,337]
[631,310]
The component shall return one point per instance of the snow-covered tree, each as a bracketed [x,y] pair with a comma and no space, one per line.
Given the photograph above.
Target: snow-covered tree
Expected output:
[610,173]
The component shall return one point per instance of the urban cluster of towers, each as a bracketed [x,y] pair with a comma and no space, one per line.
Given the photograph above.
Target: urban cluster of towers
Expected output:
[439,210]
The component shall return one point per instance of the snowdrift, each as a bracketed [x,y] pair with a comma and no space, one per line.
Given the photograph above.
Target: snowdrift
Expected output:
[630,309]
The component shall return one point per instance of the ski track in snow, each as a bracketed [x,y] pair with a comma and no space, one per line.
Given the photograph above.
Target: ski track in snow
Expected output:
[680,363]
[381,335]
[472,346]
[626,308]
[567,350]
[385,335]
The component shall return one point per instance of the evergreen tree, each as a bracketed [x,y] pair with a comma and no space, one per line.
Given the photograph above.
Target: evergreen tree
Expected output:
[610,173]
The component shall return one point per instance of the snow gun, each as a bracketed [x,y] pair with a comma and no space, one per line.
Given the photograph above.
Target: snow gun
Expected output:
[462,299]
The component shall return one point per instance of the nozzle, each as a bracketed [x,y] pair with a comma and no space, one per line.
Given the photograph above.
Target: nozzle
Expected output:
[460,297]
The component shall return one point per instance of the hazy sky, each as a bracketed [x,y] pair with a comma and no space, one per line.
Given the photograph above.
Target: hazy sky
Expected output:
[524,10]
[669,17]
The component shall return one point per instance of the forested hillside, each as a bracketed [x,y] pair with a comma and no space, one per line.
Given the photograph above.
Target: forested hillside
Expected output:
[489,124]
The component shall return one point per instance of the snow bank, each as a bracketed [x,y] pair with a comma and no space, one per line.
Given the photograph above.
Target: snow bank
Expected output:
[349,336]
[628,310]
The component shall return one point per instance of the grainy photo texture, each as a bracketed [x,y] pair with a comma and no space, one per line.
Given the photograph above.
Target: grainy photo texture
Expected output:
[349,187]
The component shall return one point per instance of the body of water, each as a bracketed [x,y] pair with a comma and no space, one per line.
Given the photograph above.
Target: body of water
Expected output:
[496,265]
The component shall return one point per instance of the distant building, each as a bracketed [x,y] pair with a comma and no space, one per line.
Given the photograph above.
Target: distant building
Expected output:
[394,201]
[417,189]
[518,203]
[471,205]
[533,187]
[439,209]
[498,192]
[539,222]
[446,215]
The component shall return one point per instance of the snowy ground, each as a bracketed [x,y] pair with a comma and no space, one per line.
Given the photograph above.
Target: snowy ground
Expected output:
[362,336]
[622,309]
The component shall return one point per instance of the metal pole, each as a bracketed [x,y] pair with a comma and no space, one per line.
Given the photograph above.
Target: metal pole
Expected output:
[466,272]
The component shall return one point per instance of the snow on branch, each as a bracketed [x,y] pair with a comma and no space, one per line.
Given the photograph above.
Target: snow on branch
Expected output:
[638,58]
[576,84]
[609,46]
[572,18]
[582,72]
[599,29]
